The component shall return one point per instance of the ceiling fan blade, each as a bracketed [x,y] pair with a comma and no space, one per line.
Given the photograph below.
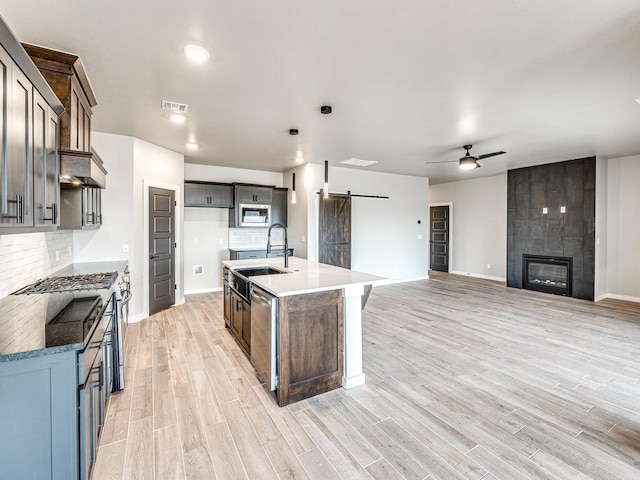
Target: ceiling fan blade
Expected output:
[443,161]
[487,155]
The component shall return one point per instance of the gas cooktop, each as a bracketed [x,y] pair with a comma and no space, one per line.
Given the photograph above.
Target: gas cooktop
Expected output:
[72,283]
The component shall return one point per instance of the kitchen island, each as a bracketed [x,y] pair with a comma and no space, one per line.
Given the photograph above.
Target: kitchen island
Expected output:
[316,331]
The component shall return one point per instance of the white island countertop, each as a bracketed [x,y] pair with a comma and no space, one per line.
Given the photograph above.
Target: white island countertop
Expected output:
[304,276]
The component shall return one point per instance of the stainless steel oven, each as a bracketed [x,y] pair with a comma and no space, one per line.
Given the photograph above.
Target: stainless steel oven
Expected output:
[251,215]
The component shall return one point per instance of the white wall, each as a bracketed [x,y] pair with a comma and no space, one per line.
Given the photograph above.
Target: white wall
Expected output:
[623,228]
[132,166]
[384,232]
[206,230]
[155,166]
[479,224]
[298,215]
[107,242]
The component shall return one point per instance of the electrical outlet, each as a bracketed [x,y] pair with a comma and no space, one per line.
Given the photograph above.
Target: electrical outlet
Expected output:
[198,270]
[195,241]
[304,239]
[420,236]
[488,266]
[220,241]
[125,248]
[57,255]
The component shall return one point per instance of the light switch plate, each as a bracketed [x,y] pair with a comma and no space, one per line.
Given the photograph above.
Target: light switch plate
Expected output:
[563,209]
[545,210]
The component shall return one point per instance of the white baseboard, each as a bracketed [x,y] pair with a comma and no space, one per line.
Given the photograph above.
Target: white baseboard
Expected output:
[137,318]
[615,296]
[478,275]
[391,281]
[203,290]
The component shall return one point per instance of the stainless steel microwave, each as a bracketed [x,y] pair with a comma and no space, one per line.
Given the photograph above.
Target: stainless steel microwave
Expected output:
[251,215]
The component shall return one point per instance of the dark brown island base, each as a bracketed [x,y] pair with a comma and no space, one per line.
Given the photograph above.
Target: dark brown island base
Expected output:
[301,326]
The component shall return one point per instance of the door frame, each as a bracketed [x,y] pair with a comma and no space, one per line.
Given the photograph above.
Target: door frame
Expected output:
[450,230]
[177,189]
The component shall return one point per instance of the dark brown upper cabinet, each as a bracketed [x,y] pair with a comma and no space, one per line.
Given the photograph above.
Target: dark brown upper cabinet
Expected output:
[65,74]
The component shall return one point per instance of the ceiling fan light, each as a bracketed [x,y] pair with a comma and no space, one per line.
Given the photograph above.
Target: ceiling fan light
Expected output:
[468,163]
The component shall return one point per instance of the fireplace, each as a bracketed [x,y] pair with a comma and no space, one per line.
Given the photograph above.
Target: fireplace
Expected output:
[547,274]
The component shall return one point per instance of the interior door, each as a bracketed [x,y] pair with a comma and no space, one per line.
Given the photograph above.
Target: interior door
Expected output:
[335,231]
[439,238]
[161,249]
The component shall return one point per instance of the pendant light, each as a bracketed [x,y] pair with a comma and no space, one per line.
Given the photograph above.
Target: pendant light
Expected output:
[326,110]
[325,188]
[293,189]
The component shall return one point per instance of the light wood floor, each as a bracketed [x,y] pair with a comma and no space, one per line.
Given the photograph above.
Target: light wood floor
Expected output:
[465,379]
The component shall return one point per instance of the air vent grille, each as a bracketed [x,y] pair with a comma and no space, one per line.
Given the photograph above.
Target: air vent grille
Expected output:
[357,162]
[174,107]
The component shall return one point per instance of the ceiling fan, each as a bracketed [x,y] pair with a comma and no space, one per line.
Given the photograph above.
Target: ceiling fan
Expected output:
[469,162]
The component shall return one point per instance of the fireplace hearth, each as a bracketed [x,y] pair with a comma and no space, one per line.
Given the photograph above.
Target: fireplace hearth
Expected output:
[547,274]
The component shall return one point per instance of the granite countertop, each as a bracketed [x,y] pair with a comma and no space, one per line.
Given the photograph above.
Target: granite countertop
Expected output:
[304,276]
[24,331]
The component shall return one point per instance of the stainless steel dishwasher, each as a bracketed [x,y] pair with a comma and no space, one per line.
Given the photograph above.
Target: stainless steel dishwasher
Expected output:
[264,320]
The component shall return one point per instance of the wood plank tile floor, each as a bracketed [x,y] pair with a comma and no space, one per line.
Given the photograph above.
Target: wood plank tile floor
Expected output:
[466,379]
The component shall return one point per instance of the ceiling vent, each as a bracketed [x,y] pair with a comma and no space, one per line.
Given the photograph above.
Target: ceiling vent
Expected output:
[174,107]
[357,162]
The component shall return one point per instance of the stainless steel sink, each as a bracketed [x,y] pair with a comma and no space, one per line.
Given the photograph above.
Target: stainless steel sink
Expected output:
[256,271]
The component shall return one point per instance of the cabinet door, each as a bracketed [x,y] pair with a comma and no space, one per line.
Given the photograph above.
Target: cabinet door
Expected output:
[39,417]
[45,163]
[236,315]
[52,169]
[263,195]
[74,127]
[97,205]
[88,213]
[5,97]
[245,195]
[246,325]
[17,182]
[221,196]
[279,206]
[196,195]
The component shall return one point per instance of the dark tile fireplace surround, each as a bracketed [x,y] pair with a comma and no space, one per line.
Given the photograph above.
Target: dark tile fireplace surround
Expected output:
[553,252]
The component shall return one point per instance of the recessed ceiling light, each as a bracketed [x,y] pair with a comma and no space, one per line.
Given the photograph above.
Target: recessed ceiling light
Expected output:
[177,118]
[357,162]
[192,146]
[299,160]
[195,53]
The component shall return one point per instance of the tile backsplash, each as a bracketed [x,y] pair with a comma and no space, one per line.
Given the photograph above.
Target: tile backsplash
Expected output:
[25,258]
[254,237]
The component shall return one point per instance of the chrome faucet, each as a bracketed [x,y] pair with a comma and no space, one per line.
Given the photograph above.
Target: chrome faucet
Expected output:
[286,243]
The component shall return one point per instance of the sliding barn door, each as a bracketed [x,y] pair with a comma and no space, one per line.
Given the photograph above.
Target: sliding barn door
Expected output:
[335,231]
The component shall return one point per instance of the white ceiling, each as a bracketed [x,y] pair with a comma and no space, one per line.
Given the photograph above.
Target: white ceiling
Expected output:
[410,81]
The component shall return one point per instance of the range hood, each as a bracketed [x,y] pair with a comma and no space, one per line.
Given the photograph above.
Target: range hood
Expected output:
[84,169]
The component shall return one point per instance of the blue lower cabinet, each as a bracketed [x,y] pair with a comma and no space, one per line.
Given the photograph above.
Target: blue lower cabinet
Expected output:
[53,407]
[39,418]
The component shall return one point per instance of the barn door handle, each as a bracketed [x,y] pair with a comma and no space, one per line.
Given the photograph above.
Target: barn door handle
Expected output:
[153,256]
